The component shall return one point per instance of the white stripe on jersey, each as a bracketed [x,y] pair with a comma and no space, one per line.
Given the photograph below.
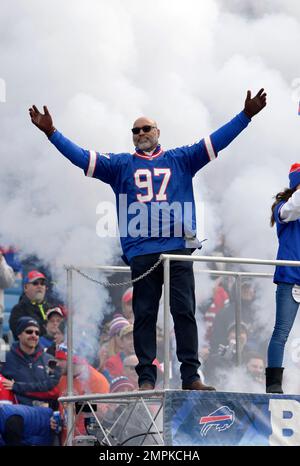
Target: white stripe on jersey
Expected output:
[209,148]
[92,163]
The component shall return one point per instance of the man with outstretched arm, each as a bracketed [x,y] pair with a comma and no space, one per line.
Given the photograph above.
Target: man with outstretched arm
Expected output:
[157,184]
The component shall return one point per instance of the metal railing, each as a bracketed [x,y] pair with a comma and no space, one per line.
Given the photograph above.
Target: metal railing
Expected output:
[166,260]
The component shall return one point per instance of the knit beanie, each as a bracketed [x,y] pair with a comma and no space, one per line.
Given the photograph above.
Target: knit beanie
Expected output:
[117,324]
[25,322]
[121,384]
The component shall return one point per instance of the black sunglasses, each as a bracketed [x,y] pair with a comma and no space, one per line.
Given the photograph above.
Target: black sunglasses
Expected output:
[146,129]
[38,282]
[30,332]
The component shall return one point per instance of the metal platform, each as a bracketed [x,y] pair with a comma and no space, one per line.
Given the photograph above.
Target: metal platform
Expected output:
[191,418]
[129,418]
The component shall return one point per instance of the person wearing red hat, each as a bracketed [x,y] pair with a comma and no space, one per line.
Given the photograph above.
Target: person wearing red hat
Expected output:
[86,378]
[286,215]
[32,303]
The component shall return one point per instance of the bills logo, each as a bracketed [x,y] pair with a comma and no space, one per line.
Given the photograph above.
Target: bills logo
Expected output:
[222,418]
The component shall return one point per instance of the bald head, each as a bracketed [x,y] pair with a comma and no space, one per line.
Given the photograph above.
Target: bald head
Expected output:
[143,120]
[147,138]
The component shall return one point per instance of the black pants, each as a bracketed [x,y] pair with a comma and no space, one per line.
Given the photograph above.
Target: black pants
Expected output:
[146,296]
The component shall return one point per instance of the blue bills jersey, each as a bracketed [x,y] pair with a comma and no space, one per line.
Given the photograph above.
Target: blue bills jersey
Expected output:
[154,193]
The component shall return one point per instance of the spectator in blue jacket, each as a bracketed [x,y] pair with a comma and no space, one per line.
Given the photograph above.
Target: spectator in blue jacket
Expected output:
[27,365]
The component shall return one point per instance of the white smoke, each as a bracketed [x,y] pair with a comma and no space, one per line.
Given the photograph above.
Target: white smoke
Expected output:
[98,65]
[237,380]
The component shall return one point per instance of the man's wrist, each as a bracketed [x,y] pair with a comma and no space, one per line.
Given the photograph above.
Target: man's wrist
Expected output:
[50,132]
[247,114]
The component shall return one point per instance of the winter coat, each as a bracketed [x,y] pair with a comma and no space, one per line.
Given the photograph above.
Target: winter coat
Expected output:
[26,308]
[31,373]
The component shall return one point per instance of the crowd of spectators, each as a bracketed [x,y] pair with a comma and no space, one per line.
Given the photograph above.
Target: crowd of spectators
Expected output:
[34,367]
[33,374]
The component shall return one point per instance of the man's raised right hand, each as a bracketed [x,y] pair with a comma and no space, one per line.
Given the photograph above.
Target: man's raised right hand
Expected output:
[42,120]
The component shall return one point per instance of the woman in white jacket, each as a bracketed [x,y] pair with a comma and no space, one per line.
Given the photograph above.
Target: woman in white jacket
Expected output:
[286,215]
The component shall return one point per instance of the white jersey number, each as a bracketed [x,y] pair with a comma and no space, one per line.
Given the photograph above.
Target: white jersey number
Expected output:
[143,180]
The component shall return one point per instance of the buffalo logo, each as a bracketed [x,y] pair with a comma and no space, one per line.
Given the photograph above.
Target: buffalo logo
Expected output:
[222,418]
